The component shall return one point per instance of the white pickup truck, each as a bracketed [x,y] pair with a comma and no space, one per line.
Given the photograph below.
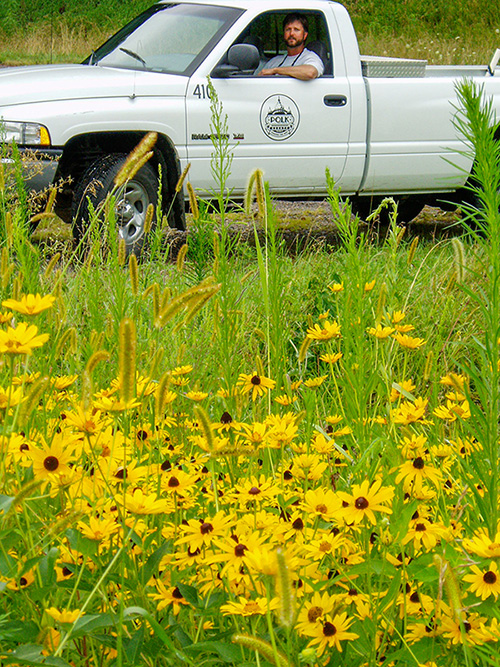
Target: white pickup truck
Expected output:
[382,126]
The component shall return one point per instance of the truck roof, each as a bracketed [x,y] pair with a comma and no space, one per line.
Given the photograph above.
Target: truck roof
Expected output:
[264,5]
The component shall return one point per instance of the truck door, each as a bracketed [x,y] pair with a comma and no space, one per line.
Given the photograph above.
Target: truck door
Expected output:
[291,129]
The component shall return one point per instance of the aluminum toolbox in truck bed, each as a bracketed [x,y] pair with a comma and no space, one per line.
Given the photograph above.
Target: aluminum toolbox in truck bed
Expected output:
[382,67]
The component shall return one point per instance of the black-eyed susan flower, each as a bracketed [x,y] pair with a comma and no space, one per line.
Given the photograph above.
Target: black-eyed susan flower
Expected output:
[408,342]
[314,383]
[257,385]
[313,611]
[331,358]
[21,339]
[416,471]
[253,607]
[324,331]
[30,304]
[336,288]
[482,545]
[322,503]
[380,331]
[333,630]
[484,582]
[200,533]
[424,533]
[64,615]
[364,500]
[54,459]
[196,396]
[166,597]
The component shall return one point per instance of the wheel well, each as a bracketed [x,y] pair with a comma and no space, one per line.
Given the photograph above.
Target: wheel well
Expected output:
[81,151]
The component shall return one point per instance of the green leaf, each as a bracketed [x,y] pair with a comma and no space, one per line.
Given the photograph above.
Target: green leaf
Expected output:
[151,565]
[189,593]
[87,624]
[81,544]
[18,631]
[5,503]
[227,652]
[133,647]
[47,567]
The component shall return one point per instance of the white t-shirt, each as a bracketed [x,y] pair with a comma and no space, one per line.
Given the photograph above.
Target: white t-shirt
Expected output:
[305,58]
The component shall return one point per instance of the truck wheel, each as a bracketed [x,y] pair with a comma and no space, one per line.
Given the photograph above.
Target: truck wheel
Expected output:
[408,208]
[132,200]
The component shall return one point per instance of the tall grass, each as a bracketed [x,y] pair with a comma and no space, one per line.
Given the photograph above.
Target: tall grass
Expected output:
[324,491]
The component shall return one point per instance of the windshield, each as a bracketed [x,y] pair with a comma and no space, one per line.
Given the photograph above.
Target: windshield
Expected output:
[172,38]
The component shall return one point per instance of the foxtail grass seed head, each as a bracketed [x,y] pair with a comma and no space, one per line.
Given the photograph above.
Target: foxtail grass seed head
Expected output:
[459,259]
[127,359]
[193,201]
[156,361]
[447,576]
[50,266]
[429,363]
[87,390]
[25,492]
[411,251]
[182,178]
[130,168]
[452,281]
[50,201]
[181,257]
[248,200]
[150,211]
[204,422]
[66,343]
[133,270]
[260,192]
[285,591]
[122,251]
[262,647]
[401,233]
[259,365]
[8,229]
[37,390]
[17,286]
[96,358]
[382,298]
[303,348]
[162,394]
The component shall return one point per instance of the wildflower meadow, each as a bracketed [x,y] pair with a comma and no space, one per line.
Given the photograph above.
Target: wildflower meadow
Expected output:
[246,457]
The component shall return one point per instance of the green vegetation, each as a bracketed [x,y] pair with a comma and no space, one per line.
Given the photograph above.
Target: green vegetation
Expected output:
[247,458]
[445,31]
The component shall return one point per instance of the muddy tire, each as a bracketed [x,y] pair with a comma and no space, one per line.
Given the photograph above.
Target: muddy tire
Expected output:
[132,200]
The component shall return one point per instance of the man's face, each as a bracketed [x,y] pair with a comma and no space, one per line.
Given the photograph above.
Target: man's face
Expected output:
[294,35]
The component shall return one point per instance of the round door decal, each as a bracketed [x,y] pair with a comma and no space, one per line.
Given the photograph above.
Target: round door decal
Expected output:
[279,117]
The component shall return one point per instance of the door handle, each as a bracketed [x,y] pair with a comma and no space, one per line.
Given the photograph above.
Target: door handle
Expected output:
[335,100]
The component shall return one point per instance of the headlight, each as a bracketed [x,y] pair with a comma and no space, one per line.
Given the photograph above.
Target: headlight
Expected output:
[24,134]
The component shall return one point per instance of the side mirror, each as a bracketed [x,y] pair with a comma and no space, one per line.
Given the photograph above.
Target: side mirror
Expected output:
[241,59]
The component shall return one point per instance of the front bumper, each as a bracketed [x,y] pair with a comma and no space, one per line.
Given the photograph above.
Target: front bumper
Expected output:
[38,166]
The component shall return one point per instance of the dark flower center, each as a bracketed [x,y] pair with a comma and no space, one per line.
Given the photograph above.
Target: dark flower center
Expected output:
[298,524]
[418,463]
[23,581]
[467,626]
[314,613]
[177,594]
[206,528]
[226,418]
[239,550]
[120,473]
[420,527]
[254,491]
[288,475]
[24,447]
[361,503]
[51,463]
[414,597]
[321,508]
[329,629]
[196,552]
[142,435]
[489,577]
[352,592]
[173,482]
[255,380]
[166,465]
